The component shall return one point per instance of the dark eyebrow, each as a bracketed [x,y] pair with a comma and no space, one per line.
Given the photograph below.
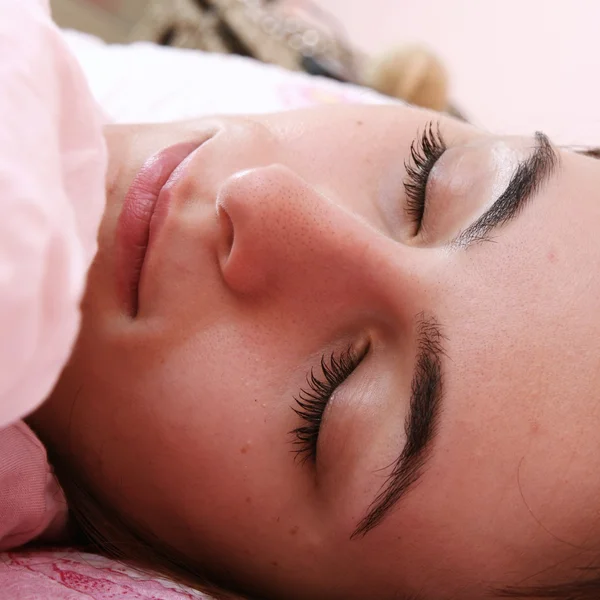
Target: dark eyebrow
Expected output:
[420,425]
[526,181]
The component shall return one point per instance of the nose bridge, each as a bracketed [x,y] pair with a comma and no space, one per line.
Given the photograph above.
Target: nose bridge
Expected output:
[286,237]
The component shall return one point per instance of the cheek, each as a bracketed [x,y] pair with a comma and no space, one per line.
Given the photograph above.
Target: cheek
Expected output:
[181,430]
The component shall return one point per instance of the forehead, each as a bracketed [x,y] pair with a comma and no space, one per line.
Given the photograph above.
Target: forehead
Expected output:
[346,117]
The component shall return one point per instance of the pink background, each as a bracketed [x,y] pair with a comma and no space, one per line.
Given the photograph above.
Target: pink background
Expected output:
[515,65]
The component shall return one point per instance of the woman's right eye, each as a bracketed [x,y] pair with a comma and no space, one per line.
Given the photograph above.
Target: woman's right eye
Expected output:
[312,401]
[425,151]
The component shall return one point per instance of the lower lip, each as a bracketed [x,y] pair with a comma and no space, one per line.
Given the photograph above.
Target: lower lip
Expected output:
[133,227]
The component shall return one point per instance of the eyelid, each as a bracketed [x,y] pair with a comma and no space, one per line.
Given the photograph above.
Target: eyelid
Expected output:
[526,179]
[425,151]
[467,180]
[312,403]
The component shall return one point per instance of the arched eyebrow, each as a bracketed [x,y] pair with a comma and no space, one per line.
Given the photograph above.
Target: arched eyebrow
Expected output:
[528,178]
[420,425]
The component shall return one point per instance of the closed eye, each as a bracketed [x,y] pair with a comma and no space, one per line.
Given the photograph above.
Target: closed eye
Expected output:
[312,401]
[425,151]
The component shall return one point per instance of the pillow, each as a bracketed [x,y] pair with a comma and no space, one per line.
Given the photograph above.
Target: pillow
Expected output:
[52,171]
[143,82]
[32,504]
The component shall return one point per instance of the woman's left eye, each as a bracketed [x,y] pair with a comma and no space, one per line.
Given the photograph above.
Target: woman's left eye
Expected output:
[312,401]
[425,151]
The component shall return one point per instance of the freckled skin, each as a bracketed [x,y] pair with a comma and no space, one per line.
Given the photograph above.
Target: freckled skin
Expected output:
[186,410]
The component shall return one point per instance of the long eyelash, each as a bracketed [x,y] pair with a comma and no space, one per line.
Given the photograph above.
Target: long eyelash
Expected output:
[312,402]
[424,152]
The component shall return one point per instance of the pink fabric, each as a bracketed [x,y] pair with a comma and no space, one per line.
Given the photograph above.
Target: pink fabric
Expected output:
[52,170]
[31,501]
[72,575]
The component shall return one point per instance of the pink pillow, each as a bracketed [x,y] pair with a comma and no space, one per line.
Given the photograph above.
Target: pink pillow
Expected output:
[32,504]
[52,171]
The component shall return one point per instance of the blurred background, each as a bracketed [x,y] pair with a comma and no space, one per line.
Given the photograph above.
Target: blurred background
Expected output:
[514,65]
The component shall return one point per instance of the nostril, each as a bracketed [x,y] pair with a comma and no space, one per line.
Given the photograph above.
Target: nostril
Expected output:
[226,234]
[255,209]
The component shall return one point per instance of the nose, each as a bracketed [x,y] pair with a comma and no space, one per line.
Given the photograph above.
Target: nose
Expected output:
[285,238]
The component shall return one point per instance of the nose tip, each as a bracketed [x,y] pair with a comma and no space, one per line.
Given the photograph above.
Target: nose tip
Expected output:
[241,206]
[251,207]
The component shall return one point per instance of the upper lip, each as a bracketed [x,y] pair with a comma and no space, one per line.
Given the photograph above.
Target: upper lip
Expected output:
[139,206]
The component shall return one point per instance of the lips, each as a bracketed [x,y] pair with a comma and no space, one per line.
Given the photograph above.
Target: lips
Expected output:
[133,228]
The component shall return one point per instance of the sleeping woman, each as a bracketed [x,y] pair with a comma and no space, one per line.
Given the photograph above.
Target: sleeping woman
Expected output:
[340,353]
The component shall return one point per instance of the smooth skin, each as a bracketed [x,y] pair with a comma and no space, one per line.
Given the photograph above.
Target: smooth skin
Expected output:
[288,239]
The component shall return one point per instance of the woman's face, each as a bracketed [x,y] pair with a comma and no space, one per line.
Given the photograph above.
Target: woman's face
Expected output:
[459,445]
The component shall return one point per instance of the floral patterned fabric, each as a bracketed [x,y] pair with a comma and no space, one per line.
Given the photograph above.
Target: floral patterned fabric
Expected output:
[73,575]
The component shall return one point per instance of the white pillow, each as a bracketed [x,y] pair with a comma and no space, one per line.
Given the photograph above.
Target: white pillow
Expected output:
[143,82]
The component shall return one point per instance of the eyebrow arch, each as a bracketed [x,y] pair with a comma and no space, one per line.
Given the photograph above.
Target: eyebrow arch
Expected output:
[420,425]
[526,181]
